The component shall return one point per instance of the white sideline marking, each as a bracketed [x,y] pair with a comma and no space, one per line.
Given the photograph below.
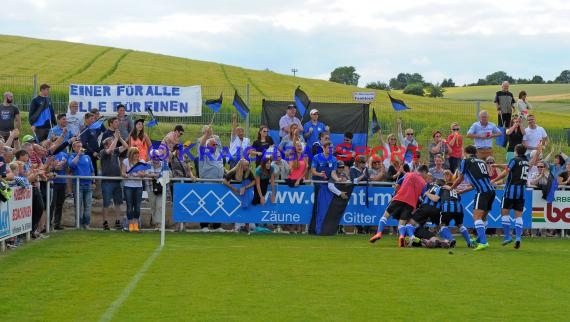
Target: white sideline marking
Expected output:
[108,315]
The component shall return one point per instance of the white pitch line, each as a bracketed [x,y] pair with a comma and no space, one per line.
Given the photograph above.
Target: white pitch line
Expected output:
[108,315]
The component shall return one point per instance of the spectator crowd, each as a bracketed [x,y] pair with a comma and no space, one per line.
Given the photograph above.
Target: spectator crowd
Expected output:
[117,146]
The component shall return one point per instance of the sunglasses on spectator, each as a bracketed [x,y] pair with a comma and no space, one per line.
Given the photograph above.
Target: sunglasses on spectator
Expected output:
[264,131]
[410,134]
[456,129]
[490,162]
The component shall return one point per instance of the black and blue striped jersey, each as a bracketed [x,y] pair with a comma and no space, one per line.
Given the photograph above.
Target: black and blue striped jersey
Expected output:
[475,170]
[515,184]
[450,201]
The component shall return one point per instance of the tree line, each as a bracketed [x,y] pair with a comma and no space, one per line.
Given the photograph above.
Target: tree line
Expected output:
[416,85]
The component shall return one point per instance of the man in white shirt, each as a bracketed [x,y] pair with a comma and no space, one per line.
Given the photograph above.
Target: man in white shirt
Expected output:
[534,135]
[238,143]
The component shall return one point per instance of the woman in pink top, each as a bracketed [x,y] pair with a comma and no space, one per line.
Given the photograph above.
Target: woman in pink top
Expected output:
[140,140]
[298,165]
[455,141]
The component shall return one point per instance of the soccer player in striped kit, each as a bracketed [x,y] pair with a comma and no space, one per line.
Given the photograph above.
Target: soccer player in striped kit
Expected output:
[513,196]
[451,209]
[476,172]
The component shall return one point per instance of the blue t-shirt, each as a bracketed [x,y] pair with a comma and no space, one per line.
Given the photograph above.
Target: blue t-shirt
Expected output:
[61,156]
[84,167]
[317,129]
[57,131]
[323,163]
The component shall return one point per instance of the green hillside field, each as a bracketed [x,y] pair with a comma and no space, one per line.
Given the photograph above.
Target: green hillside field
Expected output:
[60,63]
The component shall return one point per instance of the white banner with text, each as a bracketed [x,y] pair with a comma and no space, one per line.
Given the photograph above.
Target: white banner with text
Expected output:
[162,100]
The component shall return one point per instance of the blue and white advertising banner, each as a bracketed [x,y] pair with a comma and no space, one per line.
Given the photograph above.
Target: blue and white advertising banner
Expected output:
[200,202]
[162,100]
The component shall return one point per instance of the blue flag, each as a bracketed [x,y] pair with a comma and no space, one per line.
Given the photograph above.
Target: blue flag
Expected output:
[397,104]
[375,126]
[97,124]
[302,101]
[45,116]
[240,105]
[553,187]
[215,104]
[152,122]
[139,166]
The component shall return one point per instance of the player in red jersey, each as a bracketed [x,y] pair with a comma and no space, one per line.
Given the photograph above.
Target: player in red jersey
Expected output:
[408,192]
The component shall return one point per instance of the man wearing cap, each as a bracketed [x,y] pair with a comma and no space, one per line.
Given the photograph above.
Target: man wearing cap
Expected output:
[41,116]
[9,116]
[313,128]
[288,119]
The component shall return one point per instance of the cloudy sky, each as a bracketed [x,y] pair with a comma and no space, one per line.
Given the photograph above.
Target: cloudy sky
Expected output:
[465,40]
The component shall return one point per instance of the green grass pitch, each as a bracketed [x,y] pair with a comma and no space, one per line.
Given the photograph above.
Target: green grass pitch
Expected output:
[102,276]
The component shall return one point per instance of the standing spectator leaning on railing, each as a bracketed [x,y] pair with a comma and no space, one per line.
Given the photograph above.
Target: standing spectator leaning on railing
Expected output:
[41,116]
[9,116]
[242,176]
[133,187]
[81,165]
[264,176]
[298,164]
[113,147]
[33,174]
